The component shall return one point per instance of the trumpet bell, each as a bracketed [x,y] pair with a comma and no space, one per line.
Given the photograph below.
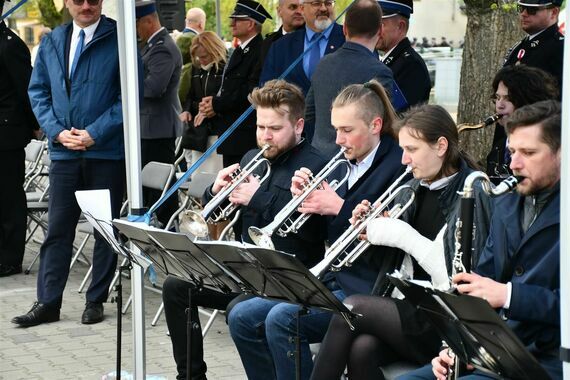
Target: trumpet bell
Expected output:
[260,238]
[193,223]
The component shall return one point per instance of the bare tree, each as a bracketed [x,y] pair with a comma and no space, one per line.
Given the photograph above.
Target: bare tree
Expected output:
[491,30]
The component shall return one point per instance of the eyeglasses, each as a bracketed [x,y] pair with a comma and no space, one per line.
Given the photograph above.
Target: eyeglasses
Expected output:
[318,4]
[90,2]
[531,11]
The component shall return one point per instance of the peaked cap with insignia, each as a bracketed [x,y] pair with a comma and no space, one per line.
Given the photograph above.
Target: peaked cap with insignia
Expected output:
[250,9]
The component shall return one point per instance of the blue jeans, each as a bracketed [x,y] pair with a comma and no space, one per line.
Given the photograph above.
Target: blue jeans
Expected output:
[66,177]
[264,333]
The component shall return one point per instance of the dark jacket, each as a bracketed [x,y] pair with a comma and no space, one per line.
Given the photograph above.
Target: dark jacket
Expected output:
[275,193]
[386,167]
[544,51]
[497,165]
[531,262]
[449,204]
[17,121]
[203,83]
[161,108]
[290,47]
[410,72]
[352,63]
[239,80]
[269,39]
[93,102]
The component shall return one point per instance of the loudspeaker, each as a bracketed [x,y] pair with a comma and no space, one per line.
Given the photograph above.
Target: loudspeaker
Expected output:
[171,14]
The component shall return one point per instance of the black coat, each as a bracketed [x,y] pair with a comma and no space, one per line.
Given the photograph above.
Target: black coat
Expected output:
[544,51]
[410,72]
[239,80]
[17,121]
[269,39]
[275,193]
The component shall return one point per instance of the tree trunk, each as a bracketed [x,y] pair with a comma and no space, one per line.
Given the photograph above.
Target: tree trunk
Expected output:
[489,35]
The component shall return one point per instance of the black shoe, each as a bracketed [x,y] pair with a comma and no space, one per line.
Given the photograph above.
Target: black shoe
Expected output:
[93,313]
[8,270]
[38,314]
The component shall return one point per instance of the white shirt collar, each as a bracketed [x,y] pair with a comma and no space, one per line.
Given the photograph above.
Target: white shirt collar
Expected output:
[439,184]
[89,32]
[242,45]
[387,54]
[357,170]
[154,34]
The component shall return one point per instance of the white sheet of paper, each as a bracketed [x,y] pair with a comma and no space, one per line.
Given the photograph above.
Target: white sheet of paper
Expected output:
[96,206]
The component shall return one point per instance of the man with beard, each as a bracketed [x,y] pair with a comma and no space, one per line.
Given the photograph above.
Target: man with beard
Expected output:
[279,107]
[319,15]
[518,272]
[544,45]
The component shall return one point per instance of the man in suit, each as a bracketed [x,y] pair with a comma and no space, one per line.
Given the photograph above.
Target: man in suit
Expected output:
[409,69]
[519,269]
[544,45]
[238,81]
[355,62]
[160,124]
[319,15]
[262,329]
[75,94]
[17,123]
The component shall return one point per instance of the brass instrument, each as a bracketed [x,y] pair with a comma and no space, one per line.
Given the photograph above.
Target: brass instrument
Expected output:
[340,253]
[465,231]
[283,223]
[485,123]
[196,223]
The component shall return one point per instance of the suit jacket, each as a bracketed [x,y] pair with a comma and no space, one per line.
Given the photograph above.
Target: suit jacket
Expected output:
[410,72]
[531,262]
[239,80]
[16,117]
[161,106]
[544,51]
[352,63]
[269,39]
[287,49]
[386,167]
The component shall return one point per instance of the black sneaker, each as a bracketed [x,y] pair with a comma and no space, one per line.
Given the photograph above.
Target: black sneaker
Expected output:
[93,313]
[38,314]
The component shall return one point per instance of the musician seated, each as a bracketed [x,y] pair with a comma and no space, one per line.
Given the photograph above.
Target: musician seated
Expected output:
[421,243]
[519,268]
[279,107]
[264,330]
[513,87]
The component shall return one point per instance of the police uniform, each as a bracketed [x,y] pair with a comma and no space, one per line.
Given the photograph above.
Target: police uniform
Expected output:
[544,51]
[408,67]
[16,124]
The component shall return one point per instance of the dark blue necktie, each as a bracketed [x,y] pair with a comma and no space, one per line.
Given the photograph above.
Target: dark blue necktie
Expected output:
[78,51]
[314,55]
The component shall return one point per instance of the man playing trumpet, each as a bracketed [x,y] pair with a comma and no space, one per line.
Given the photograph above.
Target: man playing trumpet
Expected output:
[279,107]
[262,329]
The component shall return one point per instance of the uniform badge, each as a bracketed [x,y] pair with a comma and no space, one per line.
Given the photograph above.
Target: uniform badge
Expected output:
[520,56]
[534,44]
[246,50]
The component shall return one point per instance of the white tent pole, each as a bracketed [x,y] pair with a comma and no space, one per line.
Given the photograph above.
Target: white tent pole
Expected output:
[130,99]
[565,213]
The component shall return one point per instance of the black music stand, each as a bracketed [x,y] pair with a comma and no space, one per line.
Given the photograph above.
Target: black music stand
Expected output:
[474,331]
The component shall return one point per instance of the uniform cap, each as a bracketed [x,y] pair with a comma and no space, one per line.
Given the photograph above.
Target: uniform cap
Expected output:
[396,7]
[250,9]
[144,8]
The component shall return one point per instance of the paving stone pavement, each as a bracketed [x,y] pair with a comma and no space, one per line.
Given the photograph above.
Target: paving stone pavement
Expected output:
[69,350]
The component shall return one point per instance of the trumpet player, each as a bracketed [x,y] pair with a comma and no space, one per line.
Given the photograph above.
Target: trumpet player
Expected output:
[518,272]
[514,87]
[263,329]
[420,245]
[279,106]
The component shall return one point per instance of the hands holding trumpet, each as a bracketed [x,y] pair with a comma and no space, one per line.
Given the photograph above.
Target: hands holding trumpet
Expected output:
[243,193]
[323,201]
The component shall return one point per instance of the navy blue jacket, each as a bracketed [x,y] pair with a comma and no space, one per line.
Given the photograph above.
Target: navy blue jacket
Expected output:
[275,193]
[531,262]
[287,49]
[93,102]
[386,167]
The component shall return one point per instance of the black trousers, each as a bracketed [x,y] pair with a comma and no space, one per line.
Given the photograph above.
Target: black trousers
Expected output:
[175,298]
[159,150]
[12,207]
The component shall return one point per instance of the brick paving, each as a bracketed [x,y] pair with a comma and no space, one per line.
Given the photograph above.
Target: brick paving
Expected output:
[69,350]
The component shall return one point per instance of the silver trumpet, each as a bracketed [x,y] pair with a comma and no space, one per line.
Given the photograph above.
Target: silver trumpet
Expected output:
[284,223]
[340,253]
[215,211]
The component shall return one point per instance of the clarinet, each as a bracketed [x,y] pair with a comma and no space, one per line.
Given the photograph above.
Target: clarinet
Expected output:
[465,231]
